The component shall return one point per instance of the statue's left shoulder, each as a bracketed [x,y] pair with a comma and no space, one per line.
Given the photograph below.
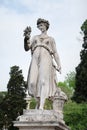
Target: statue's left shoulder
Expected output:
[52,40]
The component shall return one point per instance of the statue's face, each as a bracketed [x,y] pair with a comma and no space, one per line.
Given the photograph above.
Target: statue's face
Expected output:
[42,27]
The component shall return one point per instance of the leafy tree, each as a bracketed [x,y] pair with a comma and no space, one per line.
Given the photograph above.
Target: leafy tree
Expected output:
[80,94]
[70,79]
[75,115]
[68,85]
[14,102]
[67,90]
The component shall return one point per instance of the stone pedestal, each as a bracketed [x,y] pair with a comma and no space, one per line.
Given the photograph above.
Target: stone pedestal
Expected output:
[40,120]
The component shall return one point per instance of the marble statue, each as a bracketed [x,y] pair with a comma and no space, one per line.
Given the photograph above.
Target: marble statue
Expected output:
[42,71]
[42,83]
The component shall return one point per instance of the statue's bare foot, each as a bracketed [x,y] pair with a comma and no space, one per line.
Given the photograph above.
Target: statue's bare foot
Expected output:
[40,108]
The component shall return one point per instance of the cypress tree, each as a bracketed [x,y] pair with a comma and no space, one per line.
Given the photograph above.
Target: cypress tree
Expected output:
[14,103]
[80,94]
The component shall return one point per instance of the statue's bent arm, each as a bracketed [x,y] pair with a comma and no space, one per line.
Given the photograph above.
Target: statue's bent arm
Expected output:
[56,56]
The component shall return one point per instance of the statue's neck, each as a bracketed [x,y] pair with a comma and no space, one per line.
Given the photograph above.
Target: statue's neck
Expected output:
[43,34]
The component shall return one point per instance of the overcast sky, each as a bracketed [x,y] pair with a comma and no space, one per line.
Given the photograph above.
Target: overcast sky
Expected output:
[65,17]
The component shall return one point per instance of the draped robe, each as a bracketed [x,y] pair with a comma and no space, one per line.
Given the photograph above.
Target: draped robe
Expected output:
[42,75]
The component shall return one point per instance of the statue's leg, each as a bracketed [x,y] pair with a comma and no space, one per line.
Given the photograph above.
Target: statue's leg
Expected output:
[44,70]
[44,94]
[42,102]
[33,78]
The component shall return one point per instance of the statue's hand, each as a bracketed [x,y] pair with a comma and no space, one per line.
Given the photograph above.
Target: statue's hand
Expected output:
[27,36]
[59,69]
[27,33]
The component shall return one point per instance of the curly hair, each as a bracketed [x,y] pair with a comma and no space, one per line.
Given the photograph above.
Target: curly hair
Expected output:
[46,22]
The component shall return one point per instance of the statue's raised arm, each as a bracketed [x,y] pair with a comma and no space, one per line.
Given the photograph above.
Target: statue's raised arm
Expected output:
[27,33]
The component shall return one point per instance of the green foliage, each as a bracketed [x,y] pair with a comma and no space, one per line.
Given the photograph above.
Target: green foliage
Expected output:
[16,82]
[48,104]
[1,119]
[70,79]
[2,95]
[14,102]
[32,103]
[75,115]
[84,27]
[2,113]
[68,85]
[66,89]
[80,94]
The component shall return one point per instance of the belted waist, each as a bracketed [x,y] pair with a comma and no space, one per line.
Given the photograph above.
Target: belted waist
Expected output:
[50,51]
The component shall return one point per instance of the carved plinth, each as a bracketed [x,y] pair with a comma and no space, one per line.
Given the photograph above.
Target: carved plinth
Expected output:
[40,120]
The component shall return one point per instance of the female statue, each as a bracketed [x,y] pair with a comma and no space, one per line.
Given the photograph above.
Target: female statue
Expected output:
[42,74]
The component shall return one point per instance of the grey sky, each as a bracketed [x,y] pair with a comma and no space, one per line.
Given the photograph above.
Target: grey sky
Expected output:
[65,17]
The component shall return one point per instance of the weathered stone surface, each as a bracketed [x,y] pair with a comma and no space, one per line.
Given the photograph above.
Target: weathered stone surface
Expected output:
[40,120]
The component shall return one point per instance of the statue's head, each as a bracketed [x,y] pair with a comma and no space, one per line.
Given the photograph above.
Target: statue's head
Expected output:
[45,22]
